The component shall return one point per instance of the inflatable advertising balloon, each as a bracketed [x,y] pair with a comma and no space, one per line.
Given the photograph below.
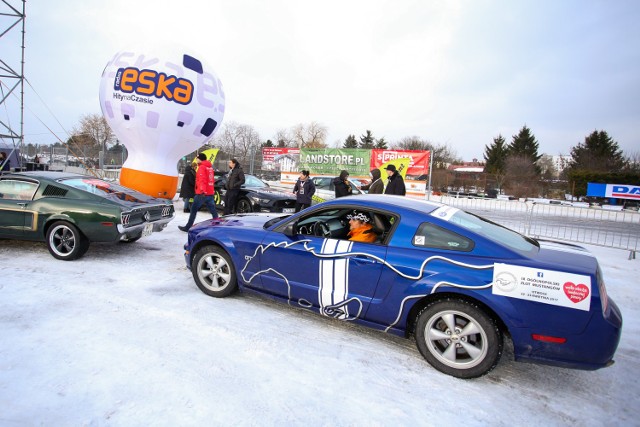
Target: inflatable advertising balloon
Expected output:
[160,108]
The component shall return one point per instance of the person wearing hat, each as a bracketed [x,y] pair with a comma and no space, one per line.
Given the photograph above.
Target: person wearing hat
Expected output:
[204,191]
[395,184]
[359,228]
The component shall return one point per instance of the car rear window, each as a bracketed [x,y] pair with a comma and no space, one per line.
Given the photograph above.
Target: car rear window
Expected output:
[105,189]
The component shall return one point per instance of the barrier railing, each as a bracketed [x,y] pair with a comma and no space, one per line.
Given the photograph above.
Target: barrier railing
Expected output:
[592,225]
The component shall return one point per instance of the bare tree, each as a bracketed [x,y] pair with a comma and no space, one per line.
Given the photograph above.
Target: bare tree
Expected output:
[521,176]
[284,138]
[238,140]
[96,127]
[312,135]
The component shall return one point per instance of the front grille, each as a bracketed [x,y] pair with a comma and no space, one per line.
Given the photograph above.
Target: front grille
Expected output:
[285,203]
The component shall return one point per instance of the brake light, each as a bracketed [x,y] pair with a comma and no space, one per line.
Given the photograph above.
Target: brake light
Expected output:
[107,224]
[547,338]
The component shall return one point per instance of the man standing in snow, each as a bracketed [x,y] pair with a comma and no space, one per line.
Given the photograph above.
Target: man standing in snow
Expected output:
[204,191]
[235,179]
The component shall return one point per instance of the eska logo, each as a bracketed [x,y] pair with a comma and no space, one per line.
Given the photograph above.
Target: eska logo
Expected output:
[153,83]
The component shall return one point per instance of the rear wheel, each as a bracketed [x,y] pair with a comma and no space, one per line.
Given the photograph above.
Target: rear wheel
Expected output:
[458,338]
[213,272]
[65,241]
[243,206]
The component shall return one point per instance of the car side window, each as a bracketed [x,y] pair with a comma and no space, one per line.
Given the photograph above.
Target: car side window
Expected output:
[322,182]
[17,190]
[431,236]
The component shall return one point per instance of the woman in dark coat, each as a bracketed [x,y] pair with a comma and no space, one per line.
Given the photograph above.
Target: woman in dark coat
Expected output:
[188,187]
[395,185]
[304,191]
[342,185]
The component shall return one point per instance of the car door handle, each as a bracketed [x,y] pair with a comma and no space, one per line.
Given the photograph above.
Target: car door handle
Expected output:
[364,260]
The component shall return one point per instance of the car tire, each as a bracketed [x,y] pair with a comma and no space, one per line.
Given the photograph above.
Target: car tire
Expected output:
[214,272]
[65,241]
[243,206]
[458,338]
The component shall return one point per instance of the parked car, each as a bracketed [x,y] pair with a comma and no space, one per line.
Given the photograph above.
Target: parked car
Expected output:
[69,211]
[325,189]
[256,196]
[454,281]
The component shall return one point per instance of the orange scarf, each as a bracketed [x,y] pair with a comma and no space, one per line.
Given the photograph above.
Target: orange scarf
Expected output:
[362,234]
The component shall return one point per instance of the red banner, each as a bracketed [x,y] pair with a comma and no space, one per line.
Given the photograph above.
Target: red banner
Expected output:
[280,159]
[418,165]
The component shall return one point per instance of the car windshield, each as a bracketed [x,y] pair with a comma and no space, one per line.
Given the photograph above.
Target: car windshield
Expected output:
[493,231]
[105,189]
[253,182]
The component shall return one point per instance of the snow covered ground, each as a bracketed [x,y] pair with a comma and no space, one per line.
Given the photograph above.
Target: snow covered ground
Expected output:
[124,337]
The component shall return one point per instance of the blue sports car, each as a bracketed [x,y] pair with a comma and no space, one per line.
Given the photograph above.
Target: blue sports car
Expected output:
[454,281]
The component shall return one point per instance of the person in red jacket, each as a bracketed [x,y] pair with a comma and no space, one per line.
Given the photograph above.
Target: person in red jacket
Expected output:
[204,191]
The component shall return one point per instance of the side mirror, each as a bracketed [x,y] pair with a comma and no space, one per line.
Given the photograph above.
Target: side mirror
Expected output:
[289,230]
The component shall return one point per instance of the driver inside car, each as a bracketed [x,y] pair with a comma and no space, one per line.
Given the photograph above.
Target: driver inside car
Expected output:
[360,230]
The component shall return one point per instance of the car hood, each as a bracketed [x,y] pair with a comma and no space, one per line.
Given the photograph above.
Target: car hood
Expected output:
[271,193]
[251,220]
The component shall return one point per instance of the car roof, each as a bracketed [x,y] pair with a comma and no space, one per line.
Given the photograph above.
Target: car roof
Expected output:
[386,201]
[45,174]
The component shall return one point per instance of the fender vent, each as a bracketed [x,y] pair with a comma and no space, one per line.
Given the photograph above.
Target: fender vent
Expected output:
[53,191]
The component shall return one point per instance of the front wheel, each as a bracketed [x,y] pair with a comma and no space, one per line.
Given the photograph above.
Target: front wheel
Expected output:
[213,272]
[458,338]
[65,241]
[243,206]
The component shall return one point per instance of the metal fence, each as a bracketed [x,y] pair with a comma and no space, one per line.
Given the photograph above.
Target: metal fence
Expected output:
[592,225]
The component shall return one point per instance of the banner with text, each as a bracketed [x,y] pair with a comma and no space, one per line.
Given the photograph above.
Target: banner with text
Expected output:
[280,159]
[418,160]
[330,161]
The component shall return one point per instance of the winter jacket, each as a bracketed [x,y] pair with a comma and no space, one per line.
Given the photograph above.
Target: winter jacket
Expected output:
[376,186]
[235,178]
[396,185]
[342,187]
[205,178]
[363,234]
[304,191]
[188,186]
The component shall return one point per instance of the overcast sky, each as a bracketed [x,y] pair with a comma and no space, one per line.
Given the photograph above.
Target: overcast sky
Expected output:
[451,72]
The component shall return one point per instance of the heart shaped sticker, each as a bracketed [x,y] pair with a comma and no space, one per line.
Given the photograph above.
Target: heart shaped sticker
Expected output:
[576,293]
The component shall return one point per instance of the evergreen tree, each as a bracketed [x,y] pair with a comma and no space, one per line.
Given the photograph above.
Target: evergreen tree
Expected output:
[495,156]
[381,144]
[269,143]
[598,153]
[350,142]
[524,148]
[366,140]
[524,144]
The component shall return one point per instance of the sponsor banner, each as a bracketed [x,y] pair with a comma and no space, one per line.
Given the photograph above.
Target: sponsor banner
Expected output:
[615,191]
[330,161]
[280,159]
[622,191]
[211,154]
[545,286]
[418,160]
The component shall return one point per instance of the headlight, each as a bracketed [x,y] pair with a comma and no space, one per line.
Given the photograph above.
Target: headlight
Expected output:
[260,201]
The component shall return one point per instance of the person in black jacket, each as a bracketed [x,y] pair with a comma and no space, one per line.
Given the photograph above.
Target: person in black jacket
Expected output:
[188,187]
[395,185]
[376,186]
[235,179]
[304,191]
[341,184]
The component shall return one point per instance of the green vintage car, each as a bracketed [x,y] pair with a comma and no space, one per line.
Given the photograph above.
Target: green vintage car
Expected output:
[68,211]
